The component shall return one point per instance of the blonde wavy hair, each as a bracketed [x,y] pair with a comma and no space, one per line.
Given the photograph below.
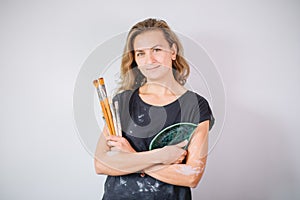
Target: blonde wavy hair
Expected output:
[131,77]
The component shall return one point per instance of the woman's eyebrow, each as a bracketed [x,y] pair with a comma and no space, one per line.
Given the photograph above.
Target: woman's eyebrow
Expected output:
[158,45]
[142,49]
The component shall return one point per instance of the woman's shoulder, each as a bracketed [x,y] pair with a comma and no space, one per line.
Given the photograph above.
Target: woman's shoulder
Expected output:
[200,107]
[194,95]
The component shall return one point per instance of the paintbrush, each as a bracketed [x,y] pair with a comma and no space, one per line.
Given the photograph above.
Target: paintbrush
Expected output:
[109,119]
[104,111]
[113,112]
[118,121]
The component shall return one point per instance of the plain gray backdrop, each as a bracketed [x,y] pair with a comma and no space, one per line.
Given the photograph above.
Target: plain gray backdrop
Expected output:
[254,44]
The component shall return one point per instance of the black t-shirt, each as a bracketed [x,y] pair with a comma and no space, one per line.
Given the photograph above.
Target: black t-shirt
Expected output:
[140,123]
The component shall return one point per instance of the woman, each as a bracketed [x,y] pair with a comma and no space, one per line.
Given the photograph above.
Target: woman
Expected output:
[152,97]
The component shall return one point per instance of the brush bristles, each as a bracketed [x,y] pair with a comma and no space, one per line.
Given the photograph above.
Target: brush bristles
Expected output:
[101,81]
[96,83]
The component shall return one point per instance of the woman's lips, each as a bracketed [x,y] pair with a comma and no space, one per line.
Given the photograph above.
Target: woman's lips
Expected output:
[152,67]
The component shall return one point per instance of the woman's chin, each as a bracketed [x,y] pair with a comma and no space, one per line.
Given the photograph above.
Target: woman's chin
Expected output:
[157,73]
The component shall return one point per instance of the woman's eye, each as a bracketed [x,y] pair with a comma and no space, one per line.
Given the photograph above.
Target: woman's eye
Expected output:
[139,54]
[156,49]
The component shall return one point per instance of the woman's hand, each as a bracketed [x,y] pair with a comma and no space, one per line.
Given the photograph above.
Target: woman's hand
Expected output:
[173,154]
[117,143]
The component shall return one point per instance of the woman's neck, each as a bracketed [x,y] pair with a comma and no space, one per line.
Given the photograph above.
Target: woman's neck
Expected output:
[162,88]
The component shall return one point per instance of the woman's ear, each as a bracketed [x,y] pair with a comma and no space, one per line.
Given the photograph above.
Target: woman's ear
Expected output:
[174,51]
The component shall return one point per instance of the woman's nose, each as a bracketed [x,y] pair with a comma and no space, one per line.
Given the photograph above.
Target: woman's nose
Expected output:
[150,57]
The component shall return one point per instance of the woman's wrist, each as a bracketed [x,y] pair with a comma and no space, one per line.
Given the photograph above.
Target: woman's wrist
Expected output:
[156,156]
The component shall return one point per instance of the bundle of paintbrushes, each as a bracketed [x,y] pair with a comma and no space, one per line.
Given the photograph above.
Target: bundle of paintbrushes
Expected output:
[110,110]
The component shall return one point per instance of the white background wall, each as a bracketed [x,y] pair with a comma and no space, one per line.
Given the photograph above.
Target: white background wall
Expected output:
[254,44]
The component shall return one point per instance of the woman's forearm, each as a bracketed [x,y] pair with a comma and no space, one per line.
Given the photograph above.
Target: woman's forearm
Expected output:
[118,162]
[177,174]
[121,163]
[188,174]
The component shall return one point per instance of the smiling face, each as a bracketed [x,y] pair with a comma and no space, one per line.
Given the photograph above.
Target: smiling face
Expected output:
[153,55]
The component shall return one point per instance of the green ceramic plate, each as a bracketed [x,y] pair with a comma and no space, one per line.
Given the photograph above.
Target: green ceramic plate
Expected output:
[172,135]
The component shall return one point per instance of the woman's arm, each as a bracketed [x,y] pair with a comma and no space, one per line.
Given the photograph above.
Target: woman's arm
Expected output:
[122,160]
[188,174]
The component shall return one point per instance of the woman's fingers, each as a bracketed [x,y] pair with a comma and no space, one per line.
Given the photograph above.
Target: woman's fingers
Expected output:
[172,154]
[182,144]
[112,143]
[180,160]
[113,140]
[113,137]
[119,143]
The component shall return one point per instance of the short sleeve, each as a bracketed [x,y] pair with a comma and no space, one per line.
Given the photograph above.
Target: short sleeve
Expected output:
[203,112]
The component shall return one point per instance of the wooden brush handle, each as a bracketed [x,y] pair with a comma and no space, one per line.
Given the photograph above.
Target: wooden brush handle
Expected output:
[109,115]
